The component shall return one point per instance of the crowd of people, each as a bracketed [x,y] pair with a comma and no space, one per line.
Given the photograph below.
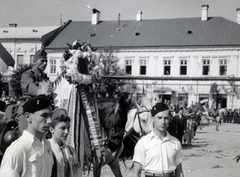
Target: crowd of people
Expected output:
[41,148]
[33,154]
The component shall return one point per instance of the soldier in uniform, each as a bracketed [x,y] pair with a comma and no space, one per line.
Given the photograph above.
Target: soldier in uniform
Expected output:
[30,79]
[30,82]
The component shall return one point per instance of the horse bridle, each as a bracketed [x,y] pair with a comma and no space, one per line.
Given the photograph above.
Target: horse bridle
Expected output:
[112,131]
[142,133]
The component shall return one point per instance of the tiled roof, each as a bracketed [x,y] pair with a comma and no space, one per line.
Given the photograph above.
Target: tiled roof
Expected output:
[25,32]
[182,32]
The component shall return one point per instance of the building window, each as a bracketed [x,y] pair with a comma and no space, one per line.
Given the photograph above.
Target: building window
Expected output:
[31,59]
[222,67]
[53,66]
[183,67]
[143,66]
[206,66]
[128,65]
[19,60]
[167,66]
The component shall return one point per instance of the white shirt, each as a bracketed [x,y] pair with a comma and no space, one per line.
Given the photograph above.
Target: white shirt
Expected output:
[29,156]
[71,157]
[156,155]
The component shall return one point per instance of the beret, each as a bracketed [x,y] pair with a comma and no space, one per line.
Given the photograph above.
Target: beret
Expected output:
[58,113]
[159,107]
[40,54]
[37,103]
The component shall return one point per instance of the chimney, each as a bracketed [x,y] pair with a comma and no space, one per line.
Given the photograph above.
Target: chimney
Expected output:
[12,25]
[139,16]
[119,21]
[95,16]
[205,12]
[238,16]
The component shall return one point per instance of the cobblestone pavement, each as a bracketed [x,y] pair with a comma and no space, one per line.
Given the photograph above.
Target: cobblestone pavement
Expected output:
[210,155]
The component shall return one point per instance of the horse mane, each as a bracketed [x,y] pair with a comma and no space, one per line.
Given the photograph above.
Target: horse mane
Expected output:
[113,112]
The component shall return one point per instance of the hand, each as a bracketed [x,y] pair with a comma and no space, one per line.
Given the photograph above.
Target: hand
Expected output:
[237,157]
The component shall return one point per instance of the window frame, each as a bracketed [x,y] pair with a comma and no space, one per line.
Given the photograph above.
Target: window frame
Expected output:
[167,61]
[128,65]
[53,66]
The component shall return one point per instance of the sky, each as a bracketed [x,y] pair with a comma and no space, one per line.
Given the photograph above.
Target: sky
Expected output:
[29,13]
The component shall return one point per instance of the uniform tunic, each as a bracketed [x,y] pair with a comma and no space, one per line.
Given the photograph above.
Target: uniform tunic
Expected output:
[156,155]
[29,156]
[71,157]
[30,79]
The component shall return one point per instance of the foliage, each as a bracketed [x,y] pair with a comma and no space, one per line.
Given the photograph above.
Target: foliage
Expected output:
[233,91]
[214,94]
[109,66]
[15,81]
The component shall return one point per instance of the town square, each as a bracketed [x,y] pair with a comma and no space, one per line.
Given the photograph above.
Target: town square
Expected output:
[131,88]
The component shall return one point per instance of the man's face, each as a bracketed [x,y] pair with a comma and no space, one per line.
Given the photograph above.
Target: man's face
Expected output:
[40,120]
[61,131]
[41,64]
[180,112]
[161,120]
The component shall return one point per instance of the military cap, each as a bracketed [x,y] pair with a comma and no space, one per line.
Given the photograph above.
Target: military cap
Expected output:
[37,103]
[40,54]
[159,107]
[58,113]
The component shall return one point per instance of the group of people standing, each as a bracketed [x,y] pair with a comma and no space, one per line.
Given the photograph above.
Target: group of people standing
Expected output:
[32,154]
[183,126]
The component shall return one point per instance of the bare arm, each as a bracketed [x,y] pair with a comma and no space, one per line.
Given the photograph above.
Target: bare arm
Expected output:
[178,171]
[137,169]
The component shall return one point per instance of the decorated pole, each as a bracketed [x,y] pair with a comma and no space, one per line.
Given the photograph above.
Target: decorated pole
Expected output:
[80,61]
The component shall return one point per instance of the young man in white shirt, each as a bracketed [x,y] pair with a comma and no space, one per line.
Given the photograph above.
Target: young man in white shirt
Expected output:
[158,153]
[30,154]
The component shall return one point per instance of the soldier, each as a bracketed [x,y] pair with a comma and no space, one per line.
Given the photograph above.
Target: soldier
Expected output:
[31,78]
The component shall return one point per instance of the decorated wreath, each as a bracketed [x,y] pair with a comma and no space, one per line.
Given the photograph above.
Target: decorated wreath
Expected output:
[80,63]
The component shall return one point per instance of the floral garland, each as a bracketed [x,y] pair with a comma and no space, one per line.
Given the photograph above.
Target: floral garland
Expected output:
[79,51]
[79,67]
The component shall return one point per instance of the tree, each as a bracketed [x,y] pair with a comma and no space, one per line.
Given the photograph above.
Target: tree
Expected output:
[233,91]
[15,81]
[108,66]
[214,95]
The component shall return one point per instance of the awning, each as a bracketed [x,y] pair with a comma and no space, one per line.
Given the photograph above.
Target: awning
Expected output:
[163,90]
[6,57]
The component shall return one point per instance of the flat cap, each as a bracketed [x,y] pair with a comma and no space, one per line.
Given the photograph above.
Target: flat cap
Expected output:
[40,54]
[59,112]
[37,103]
[159,107]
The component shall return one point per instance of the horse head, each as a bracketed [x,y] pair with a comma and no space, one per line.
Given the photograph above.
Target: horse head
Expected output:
[113,116]
[139,120]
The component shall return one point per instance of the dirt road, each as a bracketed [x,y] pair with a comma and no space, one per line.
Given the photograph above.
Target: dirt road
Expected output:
[210,155]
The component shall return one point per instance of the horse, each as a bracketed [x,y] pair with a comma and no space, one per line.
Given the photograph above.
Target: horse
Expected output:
[138,124]
[119,121]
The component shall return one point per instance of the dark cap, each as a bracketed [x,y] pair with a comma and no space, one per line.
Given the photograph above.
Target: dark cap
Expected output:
[159,107]
[37,103]
[40,54]
[59,112]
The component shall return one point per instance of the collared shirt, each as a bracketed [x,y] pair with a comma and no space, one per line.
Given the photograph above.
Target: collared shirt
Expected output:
[29,156]
[156,155]
[30,79]
[71,157]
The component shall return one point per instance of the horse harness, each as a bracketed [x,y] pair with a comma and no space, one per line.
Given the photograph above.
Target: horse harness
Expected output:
[112,132]
[142,133]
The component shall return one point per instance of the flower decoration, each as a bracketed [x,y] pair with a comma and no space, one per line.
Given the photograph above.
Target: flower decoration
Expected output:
[79,53]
